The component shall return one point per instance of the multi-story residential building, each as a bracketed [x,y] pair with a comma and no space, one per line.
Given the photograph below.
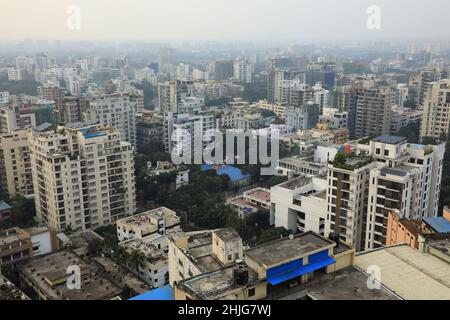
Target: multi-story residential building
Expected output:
[401,117]
[83,176]
[334,118]
[180,131]
[15,245]
[373,111]
[5,213]
[347,193]
[300,205]
[70,109]
[8,119]
[223,70]
[345,102]
[51,91]
[436,110]
[156,221]
[320,96]
[251,201]
[302,117]
[426,78]
[409,181]
[279,110]
[196,253]
[242,71]
[15,164]
[171,93]
[4,97]
[117,110]
[154,270]
[147,133]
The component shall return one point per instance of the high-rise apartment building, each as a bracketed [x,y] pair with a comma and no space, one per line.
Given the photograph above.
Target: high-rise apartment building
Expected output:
[372,111]
[302,117]
[242,71]
[171,93]
[381,175]
[83,176]
[15,165]
[181,130]
[426,78]
[223,70]
[409,181]
[118,110]
[436,110]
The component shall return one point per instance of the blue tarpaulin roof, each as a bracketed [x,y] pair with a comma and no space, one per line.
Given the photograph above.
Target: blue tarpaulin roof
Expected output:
[234,173]
[300,271]
[440,224]
[162,293]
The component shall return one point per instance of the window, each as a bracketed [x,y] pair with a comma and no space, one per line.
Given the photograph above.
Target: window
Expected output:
[251,292]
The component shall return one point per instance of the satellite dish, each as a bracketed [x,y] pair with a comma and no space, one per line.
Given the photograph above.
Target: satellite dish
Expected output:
[291,237]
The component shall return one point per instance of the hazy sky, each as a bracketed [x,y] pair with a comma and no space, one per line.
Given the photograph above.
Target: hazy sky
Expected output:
[223,20]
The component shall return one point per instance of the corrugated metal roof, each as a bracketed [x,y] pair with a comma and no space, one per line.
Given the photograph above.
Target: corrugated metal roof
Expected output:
[440,224]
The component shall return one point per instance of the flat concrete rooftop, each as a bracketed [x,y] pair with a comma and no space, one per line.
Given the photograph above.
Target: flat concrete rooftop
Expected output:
[283,250]
[346,284]
[49,273]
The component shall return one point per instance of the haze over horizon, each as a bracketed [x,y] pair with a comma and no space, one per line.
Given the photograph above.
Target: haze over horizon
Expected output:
[232,20]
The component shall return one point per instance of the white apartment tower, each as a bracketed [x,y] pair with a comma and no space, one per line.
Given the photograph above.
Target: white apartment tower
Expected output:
[436,110]
[118,110]
[408,180]
[83,176]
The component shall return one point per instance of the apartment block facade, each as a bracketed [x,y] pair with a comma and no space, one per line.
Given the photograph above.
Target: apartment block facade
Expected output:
[83,176]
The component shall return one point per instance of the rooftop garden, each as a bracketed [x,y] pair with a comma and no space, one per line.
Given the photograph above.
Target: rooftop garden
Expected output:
[350,161]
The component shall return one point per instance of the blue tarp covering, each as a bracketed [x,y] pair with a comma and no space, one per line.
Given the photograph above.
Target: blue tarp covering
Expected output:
[300,271]
[162,293]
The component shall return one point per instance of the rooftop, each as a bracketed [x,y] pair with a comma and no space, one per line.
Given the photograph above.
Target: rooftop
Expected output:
[295,183]
[122,275]
[400,171]
[149,219]
[8,291]
[439,224]
[235,174]
[282,250]
[214,285]
[48,273]
[227,234]
[409,273]
[346,284]
[4,206]
[161,293]
[259,193]
[390,139]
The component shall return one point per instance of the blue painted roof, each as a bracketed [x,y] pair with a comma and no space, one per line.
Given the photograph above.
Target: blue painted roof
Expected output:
[4,205]
[161,293]
[440,224]
[234,173]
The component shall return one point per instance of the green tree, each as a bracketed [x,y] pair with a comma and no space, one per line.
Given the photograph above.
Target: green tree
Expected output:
[137,259]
